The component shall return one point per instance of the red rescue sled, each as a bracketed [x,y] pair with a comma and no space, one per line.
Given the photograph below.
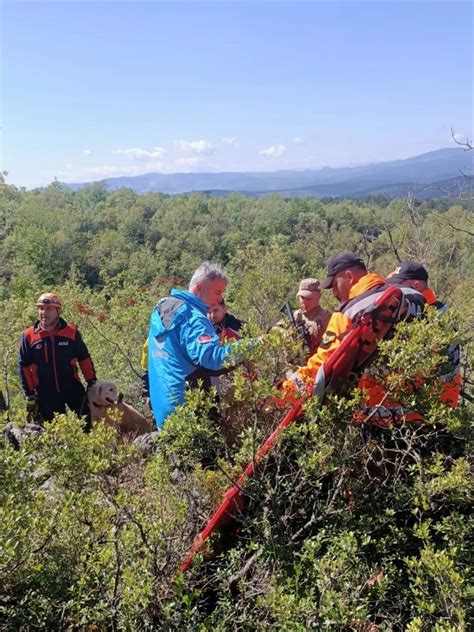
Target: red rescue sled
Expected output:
[353,354]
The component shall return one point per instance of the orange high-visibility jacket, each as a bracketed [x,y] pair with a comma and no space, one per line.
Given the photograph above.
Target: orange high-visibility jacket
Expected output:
[451,373]
[361,297]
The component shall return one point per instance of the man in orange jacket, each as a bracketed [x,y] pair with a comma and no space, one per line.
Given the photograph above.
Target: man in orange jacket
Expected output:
[356,290]
[414,274]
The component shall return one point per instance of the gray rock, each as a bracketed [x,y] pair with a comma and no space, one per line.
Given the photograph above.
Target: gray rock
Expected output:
[148,442]
[14,435]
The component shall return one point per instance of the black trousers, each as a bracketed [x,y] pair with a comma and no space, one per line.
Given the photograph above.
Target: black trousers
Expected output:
[74,397]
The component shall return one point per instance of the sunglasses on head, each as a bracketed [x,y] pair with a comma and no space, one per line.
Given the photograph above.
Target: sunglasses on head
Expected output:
[48,301]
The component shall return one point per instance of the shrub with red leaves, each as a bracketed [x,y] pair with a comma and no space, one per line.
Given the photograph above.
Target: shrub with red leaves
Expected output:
[82,309]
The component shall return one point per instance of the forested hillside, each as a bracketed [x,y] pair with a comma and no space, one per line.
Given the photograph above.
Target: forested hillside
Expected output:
[427,173]
[346,529]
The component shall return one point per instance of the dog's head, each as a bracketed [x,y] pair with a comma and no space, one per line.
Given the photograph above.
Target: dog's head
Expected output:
[102,394]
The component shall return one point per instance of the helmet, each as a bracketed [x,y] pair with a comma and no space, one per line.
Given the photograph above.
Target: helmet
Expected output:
[49,298]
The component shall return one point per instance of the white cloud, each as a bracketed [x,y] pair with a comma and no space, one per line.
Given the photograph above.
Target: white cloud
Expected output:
[229,140]
[203,147]
[273,151]
[110,171]
[142,154]
[297,140]
[155,165]
[87,152]
[106,171]
[188,162]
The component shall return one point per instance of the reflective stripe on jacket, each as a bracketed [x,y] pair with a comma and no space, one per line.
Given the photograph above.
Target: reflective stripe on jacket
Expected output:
[48,360]
[361,297]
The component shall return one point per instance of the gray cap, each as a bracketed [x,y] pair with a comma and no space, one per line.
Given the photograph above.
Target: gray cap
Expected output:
[308,287]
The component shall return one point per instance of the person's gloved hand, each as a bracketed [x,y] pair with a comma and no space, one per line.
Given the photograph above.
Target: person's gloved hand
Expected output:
[32,407]
[31,401]
[145,386]
[297,381]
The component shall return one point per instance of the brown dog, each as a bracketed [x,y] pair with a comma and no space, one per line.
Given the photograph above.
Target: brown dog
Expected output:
[106,405]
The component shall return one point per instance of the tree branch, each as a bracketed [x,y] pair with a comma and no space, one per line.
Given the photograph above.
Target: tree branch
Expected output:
[467,144]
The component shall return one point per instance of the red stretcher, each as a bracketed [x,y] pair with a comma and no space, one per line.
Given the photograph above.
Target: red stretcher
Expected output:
[355,351]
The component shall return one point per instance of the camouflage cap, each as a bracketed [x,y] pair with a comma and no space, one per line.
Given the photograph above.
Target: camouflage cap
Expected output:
[308,287]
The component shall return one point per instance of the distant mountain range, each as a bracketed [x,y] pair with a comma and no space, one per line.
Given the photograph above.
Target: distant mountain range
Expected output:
[428,175]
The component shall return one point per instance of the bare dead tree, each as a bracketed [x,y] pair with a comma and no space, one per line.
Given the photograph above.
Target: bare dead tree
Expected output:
[466,143]
[460,189]
[5,405]
[416,222]
[392,242]
[444,222]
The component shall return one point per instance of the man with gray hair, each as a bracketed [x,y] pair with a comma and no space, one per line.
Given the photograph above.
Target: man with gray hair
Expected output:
[182,344]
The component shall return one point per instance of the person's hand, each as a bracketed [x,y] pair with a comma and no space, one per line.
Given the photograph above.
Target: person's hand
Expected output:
[297,381]
[32,408]
[31,400]
[90,384]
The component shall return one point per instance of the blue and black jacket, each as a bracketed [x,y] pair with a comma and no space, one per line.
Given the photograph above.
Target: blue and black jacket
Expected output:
[182,348]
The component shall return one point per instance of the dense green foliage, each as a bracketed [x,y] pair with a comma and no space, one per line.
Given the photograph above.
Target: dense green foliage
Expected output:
[347,528]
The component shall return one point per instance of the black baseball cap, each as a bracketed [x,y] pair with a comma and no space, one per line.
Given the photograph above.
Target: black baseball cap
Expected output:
[409,271]
[338,263]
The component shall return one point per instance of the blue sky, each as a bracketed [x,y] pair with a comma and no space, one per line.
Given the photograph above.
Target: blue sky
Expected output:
[98,89]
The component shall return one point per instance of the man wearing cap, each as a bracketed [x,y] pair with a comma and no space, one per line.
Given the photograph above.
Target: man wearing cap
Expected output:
[49,353]
[311,315]
[356,289]
[414,275]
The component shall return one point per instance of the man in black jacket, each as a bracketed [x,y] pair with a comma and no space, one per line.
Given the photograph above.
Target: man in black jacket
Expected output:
[49,353]
[226,325]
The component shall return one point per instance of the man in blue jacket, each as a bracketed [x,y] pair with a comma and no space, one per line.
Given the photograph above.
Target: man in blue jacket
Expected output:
[182,344]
